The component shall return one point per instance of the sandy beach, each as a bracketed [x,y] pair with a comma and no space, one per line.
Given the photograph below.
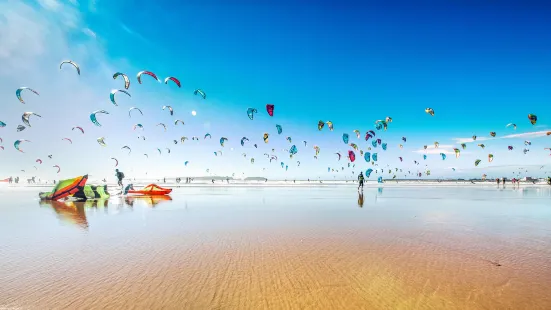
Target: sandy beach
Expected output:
[268,248]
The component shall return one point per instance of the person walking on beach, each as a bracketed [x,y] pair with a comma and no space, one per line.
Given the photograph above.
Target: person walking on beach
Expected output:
[120,176]
[361,180]
[498,181]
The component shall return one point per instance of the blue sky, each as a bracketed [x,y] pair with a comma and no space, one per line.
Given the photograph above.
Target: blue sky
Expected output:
[478,65]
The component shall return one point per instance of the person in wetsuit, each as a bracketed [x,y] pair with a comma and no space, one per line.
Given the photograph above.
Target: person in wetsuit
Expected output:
[120,176]
[361,180]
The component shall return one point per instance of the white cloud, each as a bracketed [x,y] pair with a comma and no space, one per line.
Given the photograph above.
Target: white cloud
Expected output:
[435,151]
[525,135]
[469,140]
[53,5]
[534,134]
[133,33]
[89,32]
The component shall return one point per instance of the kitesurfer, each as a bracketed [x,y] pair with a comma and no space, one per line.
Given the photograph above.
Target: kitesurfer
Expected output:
[361,180]
[120,176]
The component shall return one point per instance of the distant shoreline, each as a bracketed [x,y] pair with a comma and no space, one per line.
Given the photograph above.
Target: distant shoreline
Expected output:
[297,183]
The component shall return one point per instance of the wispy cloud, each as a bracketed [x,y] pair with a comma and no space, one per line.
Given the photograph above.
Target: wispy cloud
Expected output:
[89,32]
[435,151]
[133,33]
[432,149]
[525,135]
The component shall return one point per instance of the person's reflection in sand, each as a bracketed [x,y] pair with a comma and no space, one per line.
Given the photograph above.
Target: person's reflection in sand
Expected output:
[68,212]
[360,199]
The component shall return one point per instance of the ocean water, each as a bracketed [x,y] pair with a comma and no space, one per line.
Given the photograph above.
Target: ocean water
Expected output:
[280,247]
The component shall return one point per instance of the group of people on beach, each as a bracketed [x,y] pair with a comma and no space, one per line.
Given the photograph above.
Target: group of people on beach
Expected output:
[361,179]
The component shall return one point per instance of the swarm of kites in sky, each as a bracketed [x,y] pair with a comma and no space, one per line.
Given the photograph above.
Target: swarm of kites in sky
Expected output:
[352,140]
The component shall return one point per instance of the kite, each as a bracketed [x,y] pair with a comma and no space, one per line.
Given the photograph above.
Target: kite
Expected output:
[79,128]
[279,129]
[134,108]
[201,93]
[320,125]
[317,148]
[114,91]
[70,141]
[511,124]
[127,147]
[251,112]
[429,111]
[16,144]
[58,168]
[330,125]
[19,90]
[94,119]
[178,120]
[368,172]
[345,138]
[173,79]
[533,118]
[243,141]
[101,141]
[457,152]
[169,108]
[25,117]
[71,63]
[116,161]
[20,128]
[266,136]
[270,109]
[222,140]
[367,156]
[161,124]
[125,77]
[139,76]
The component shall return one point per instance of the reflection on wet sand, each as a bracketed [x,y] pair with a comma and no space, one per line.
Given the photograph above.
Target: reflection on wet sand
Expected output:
[74,212]
[151,201]
[68,212]
[420,248]
[361,199]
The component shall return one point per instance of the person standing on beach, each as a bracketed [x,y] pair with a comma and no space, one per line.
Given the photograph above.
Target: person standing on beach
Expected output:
[361,180]
[120,176]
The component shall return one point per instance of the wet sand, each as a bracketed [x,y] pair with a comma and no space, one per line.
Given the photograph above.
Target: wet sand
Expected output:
[271,248]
